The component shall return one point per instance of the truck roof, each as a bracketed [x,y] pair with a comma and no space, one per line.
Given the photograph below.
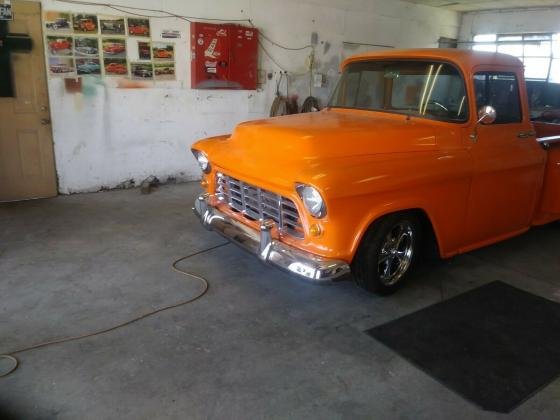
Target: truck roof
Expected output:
[465,59]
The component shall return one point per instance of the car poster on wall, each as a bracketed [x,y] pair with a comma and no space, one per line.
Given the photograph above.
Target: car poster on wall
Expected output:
[84,23]
[86,46]
[138,27]
[144,50]
[142,71]
[90,66]
[58,22]
[163,51]
[114,47]
[115,66]
[170,33]
[59,45]
[112,25]
[164,71]
[61,66]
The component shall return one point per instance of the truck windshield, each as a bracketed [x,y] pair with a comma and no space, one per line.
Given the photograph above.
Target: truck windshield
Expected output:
[427,89]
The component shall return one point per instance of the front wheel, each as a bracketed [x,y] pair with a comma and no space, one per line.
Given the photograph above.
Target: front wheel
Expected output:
[387,253]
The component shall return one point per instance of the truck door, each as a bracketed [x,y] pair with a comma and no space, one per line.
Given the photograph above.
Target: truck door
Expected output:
[508,163]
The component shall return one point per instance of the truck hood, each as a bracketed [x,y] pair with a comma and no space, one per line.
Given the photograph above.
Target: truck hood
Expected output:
[303,140]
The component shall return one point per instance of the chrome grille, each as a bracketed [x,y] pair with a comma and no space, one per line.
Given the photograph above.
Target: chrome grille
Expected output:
[258,204]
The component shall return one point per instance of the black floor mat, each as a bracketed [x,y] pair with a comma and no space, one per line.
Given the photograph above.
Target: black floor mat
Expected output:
[495,345]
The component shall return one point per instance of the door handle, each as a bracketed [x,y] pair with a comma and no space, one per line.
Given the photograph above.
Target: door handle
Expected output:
[526,134]
[45,121]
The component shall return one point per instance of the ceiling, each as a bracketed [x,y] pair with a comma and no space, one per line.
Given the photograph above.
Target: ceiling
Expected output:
[473,5]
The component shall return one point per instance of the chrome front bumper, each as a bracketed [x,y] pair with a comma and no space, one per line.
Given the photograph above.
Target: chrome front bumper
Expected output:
[304,264]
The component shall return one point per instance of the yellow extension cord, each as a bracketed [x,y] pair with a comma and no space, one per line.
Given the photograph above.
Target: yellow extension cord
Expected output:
[202,280]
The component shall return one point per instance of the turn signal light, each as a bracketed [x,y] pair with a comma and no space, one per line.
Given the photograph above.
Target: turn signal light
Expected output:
[315,230]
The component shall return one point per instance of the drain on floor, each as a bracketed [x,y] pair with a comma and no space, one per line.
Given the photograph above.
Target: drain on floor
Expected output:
[495,345]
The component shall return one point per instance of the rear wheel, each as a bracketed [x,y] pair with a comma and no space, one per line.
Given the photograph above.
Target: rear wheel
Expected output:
[387,253]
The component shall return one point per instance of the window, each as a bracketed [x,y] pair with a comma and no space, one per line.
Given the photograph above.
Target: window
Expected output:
[501,90]
[540,53]
[421,88]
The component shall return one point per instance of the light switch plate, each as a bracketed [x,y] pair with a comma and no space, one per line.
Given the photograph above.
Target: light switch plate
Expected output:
[318,80]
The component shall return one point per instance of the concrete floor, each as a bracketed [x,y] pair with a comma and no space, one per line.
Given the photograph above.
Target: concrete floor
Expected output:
[260,344]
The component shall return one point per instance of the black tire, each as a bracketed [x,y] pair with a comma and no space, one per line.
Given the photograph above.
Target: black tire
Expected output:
[377,252]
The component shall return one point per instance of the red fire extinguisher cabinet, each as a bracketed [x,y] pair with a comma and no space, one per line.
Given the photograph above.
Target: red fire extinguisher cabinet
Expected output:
[223,56]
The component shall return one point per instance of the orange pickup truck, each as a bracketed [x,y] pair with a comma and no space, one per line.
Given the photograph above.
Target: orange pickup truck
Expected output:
[417,149]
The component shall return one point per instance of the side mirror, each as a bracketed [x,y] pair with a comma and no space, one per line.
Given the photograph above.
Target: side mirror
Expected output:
[486,115]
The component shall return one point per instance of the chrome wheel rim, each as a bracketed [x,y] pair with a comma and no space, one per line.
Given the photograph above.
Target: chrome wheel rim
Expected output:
[396,253]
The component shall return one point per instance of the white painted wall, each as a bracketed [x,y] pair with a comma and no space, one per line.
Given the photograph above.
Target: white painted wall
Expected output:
[106,135]
[509,21]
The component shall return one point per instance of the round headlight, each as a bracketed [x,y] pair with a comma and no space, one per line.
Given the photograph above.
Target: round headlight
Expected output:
[312,200]
[202,160]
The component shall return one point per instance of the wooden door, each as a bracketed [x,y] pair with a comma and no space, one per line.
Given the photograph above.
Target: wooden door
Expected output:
[27,168]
